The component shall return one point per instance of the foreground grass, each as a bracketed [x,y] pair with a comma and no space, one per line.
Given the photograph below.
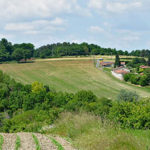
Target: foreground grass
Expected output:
[70,76]
[59,146]
[38,147]
[1,141]
[18,143]
[87,132]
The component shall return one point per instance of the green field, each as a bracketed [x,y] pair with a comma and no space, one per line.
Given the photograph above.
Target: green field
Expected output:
[70,75]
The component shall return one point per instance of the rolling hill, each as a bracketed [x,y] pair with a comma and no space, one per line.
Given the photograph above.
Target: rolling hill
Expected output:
[70,75]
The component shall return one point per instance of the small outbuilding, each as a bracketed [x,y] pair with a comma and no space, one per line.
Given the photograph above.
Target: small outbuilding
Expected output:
[123,64]
[106,64]
[144,67]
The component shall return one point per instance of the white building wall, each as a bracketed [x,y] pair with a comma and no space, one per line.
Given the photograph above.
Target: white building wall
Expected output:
[119,76]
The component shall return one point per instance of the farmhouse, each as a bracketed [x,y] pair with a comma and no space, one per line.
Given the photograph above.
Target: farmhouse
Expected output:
[123,64]
[106,64]
[119,72]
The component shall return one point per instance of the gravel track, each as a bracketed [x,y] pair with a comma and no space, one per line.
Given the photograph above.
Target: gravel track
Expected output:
[66,145]
[45,142]
[27,142]
[9,141]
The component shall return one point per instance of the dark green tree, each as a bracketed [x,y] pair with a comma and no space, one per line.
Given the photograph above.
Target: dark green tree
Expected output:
[18,54]
[117,61]
[148,62]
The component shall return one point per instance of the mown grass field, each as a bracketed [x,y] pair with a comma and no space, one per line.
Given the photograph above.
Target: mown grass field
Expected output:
[70,75]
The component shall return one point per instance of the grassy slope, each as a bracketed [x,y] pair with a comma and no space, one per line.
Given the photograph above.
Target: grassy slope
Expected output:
[70,76]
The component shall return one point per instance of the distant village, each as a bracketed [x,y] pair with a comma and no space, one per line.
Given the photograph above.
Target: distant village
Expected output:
[122,70]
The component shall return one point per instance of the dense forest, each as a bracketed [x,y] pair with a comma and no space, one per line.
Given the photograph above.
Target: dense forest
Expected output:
[74,49]
[24,51]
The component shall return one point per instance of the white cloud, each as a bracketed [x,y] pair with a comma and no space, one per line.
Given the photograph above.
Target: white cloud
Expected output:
[96,29]
[130,38]
[98,4]
[38,26]
[18,26]
[57,21]
[122,7]
[13,9]
[6,36]
[118,6]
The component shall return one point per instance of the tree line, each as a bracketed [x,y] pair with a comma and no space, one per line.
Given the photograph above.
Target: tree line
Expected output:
[24,51]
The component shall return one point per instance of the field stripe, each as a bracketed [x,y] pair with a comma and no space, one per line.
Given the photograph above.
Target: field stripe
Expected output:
[59,146]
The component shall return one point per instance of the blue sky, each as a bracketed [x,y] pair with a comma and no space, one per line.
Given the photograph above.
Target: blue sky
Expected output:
[121,24]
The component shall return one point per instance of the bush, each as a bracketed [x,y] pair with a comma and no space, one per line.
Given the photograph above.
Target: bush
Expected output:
[131,114]
[81,100]
[29,121]
[101,107]
[135,79]
[126,95]
[127,77]
[143,80]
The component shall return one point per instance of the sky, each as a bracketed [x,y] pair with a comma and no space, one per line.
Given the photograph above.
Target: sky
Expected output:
[120,24]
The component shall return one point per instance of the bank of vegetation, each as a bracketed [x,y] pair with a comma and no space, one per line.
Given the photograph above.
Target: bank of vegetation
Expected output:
[30,108]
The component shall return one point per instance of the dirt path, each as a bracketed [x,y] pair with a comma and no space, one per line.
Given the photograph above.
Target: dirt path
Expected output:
[66,145]
[9,141]
[45,142]
[27,142]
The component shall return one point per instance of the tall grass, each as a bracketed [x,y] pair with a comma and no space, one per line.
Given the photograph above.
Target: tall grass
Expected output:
[87,132]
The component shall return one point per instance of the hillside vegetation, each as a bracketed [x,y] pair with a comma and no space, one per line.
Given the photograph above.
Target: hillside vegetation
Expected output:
[71,76]
[87,132]
[84,118]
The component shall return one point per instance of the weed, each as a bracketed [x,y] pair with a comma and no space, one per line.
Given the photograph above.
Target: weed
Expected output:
[38,147]
[18,143]
[59,146]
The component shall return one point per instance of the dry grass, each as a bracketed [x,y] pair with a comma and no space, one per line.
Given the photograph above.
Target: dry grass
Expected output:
[88,133]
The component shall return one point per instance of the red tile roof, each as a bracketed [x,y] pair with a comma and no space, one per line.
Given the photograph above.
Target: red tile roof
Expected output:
[123,63]
[121,71]
[106,63]
[144,67]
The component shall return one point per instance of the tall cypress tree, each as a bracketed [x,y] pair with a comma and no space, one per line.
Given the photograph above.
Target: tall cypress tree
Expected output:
[148,62]
[117,61]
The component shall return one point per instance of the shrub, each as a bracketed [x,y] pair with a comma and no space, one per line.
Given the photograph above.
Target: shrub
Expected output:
[81,99]
[127,77]
[101,107]
[131,114]
[143,80]
[126,95]
[135,79]
[30,121]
